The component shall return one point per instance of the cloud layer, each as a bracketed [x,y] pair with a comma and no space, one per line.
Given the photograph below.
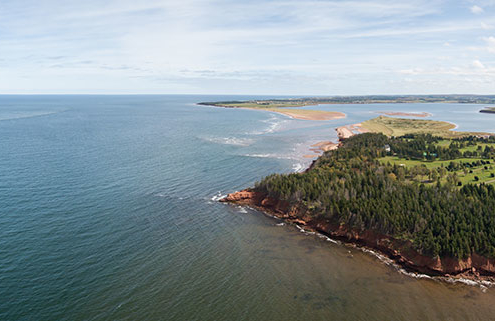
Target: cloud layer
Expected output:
[247,47]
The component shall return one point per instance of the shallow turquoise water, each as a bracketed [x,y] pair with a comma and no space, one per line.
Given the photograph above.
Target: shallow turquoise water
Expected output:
[107,211]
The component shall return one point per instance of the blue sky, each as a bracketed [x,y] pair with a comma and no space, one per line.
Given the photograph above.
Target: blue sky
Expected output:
[247,47]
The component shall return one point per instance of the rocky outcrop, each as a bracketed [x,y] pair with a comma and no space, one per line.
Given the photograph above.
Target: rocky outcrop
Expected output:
[401,251]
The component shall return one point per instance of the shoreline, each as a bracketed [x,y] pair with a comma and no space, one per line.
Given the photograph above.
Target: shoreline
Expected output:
[348,131]
[321,115]
[381,246]
[301,114]
[475,270]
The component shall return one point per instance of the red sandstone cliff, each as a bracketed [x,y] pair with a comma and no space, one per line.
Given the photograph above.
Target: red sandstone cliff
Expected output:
[400,251]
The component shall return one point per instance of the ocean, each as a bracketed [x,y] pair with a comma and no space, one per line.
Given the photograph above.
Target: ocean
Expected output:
[108,211]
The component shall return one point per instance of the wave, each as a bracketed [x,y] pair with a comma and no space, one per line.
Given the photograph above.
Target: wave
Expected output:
[298,167]
[277,156]
[235,141]
[242,210]
[274,124]
[482,284]
[14,116]
[218,196]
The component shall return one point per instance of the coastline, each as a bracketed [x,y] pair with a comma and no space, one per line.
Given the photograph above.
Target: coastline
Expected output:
[302,114]
[348,131]
[475,270]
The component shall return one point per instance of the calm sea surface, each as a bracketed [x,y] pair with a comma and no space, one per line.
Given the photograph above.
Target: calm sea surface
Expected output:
[108,212]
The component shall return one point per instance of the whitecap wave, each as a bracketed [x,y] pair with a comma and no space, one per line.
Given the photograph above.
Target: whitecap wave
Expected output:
[327,238]
[277,156]
[20,115]
[274,124]
[218,196]
[298,168]
[235,141]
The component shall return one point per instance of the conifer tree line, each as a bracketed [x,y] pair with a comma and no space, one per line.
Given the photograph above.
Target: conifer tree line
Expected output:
[351,186]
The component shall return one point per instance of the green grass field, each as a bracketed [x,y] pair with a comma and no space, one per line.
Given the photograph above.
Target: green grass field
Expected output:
[484,175]
[391,126]
[428,164]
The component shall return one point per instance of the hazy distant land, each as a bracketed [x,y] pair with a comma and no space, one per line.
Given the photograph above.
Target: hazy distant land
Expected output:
[280,105]
[373,99]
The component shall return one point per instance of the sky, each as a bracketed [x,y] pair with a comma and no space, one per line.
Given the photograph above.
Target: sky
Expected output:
[283,47]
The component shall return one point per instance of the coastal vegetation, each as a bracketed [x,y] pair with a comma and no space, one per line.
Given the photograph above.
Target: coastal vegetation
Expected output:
[392,126]
[435,193]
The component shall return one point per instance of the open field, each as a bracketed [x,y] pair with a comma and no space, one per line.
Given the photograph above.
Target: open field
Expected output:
[428,164]
[484,174]
[401,126]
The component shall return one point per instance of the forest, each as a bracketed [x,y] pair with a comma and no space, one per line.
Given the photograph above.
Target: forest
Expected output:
[439,214]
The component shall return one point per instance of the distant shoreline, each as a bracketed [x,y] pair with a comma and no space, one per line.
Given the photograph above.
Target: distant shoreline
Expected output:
[371,99]
[302,114]
[401,113]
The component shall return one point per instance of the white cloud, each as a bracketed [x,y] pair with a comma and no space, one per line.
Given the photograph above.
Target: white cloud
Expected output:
[477,64]
[476,9]
[207,44]
[490,44]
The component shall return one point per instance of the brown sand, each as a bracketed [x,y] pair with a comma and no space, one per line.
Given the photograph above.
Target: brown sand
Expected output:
[350,130]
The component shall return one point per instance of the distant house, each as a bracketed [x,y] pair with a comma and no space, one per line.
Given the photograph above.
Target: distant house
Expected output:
[387,148]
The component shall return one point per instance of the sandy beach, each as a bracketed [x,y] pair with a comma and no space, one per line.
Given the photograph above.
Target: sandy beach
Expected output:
[321,147]
[350,130]
[306,114]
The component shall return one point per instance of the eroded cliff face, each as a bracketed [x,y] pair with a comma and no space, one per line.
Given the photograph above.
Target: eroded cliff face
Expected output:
[401,251]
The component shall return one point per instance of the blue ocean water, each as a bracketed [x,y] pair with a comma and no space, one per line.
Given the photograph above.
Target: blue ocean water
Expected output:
[108,212]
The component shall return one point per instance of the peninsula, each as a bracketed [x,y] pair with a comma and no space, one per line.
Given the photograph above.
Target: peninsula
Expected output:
[425,201]
[393,126]
[285,108]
